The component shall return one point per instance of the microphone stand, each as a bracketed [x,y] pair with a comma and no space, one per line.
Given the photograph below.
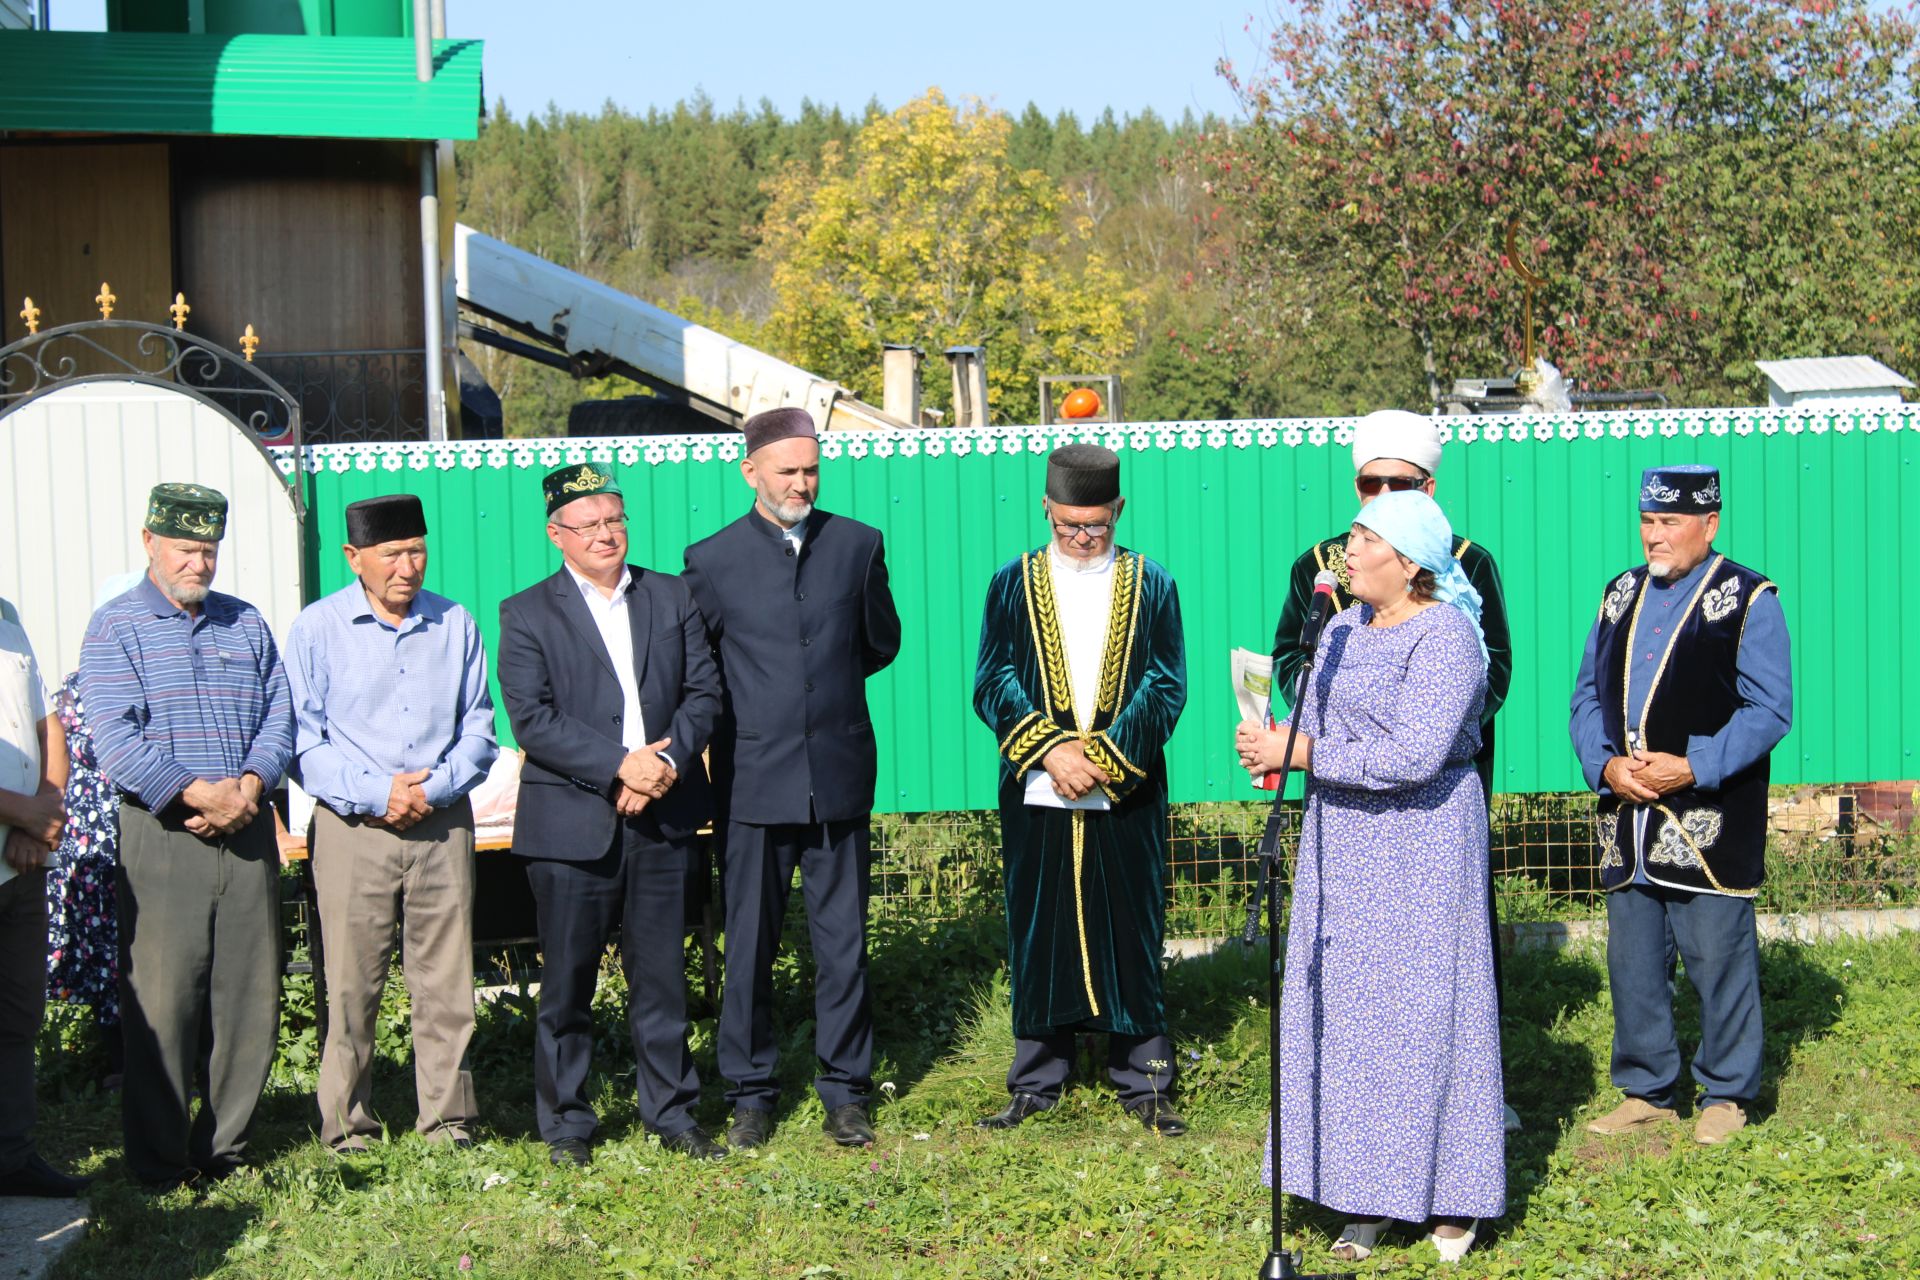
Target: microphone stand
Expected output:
[1281,1264]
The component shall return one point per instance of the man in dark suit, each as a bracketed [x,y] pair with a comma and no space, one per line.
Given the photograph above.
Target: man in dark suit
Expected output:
[612,693]
[797,606]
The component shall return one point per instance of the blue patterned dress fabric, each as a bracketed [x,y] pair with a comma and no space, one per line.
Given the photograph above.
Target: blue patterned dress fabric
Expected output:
[1390,1040]
[83,936]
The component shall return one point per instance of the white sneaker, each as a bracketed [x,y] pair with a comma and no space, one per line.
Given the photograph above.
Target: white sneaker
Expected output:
[1513,1124]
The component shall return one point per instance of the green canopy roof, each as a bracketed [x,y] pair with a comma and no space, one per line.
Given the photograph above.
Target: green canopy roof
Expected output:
[259,86]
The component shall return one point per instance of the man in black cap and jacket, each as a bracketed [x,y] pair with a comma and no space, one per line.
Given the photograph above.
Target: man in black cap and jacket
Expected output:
[799,613]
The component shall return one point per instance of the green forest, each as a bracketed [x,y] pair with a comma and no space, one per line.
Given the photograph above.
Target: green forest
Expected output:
[1701,183]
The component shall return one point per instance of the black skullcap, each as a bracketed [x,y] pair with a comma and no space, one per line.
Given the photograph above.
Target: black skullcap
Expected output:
[777,424]
[1083,475]
[394,518]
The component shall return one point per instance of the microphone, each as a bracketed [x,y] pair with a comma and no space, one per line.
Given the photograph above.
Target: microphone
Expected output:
[1324,584]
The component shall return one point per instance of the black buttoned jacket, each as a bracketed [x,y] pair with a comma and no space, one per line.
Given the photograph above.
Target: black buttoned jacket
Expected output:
[797,635]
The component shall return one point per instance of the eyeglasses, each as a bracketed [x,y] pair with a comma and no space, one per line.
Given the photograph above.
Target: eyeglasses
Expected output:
[1072,532]
[613,524]
[1370,485]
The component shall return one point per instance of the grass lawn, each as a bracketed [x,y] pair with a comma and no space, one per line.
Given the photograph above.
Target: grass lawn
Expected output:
[1826,1184]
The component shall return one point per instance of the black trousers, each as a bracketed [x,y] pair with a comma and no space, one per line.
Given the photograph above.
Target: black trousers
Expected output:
[1141,1067]
[835,862]
[639,886]
[23,998]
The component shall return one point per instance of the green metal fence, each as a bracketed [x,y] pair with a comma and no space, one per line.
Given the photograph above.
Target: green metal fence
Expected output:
[1827,504]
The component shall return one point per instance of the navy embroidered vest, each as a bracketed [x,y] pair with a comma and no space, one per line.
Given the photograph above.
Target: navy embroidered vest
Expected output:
[1694,840]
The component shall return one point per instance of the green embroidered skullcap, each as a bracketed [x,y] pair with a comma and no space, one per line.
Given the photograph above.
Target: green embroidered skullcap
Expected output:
[187,511]
[577,480]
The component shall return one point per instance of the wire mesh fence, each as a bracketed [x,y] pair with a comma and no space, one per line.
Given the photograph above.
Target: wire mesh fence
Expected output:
[1828,848]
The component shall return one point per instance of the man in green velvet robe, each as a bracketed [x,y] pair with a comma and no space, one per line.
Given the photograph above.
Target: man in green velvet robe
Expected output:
[1082,675]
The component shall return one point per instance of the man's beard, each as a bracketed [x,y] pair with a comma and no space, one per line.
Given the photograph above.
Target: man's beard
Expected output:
[792,513]
[182,591]
[1662,569]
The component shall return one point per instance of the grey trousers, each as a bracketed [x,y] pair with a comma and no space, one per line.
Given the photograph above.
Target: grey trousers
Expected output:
[23,1001]
[199,989]
[368,879]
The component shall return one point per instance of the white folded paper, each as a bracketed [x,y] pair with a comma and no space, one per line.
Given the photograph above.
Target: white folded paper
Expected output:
[1041,795]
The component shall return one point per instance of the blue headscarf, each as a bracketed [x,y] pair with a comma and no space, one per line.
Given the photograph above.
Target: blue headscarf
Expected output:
[1413,524]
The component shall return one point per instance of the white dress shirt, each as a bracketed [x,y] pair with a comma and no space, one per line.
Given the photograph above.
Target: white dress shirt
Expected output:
[1084,594]
[616,632]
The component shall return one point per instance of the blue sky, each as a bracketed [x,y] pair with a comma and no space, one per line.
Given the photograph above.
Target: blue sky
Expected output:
[1062,54]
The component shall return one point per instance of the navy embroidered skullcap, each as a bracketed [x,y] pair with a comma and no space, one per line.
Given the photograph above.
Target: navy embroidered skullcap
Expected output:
[1689,489]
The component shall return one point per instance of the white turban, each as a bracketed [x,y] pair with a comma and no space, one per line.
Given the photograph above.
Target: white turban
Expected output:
[1395,433]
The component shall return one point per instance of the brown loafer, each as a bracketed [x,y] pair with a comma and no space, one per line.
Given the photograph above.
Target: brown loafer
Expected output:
[1715,1124]
[1629,1117]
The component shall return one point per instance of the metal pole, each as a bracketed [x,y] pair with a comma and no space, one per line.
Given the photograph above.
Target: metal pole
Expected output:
[437,23]
[432,314]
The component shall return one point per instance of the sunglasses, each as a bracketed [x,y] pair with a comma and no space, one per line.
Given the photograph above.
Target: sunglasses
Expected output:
[1371,485]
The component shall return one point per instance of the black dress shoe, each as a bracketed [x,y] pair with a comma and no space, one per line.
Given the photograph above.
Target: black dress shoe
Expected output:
[1159,1117]
[751,1128]
[848,1125]
[38,1178]
[569,1153]
[694,1144]
[1019,1108]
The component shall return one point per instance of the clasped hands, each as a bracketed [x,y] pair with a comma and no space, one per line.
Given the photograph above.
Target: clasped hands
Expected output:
[1645,776]
[1072,773]
[222,807]
[43,819]
[643,778]
[1263,750]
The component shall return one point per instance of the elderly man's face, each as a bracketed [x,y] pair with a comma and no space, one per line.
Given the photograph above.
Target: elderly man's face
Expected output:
[391,572]
[591,533]
[1676,543]
[182,568]
[786,476]
[1083,533]
[1389,475]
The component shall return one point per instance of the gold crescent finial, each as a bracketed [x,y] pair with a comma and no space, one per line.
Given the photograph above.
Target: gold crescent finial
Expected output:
[249,343]
[31,314]
[1531,279]
[180,309]
[106,300]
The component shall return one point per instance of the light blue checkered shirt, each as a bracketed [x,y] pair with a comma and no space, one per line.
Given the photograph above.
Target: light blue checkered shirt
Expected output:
[371,701]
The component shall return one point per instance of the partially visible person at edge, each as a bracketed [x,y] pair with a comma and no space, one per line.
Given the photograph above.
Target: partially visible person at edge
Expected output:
[395,727]
[800,616]
[83,933]
[1390,1106]
[1082,675]
[33,770]
[193,721]
[1395,451]
[1685,688]
[612,694]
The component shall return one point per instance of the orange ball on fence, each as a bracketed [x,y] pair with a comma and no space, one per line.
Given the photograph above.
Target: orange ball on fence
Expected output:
[1081,402]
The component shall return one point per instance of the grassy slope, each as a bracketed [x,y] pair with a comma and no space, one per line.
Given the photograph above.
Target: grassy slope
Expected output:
[1827,1186]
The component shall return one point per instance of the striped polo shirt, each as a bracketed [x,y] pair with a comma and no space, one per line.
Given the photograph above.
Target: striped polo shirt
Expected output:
[172,697]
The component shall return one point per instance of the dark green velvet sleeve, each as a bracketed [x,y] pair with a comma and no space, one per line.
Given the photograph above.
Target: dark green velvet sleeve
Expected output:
[1484,574]
[1005,669]
[1287,653]
[1129,749]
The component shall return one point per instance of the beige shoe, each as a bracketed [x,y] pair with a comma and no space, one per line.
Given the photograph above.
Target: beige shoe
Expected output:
[1630,1116]
[1715,1124]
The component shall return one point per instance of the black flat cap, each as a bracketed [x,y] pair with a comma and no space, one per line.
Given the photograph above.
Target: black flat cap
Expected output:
[394,518]
[1083,475]
[777,424]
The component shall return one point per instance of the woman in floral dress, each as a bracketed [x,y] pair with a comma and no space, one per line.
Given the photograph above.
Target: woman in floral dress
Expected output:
[83,937]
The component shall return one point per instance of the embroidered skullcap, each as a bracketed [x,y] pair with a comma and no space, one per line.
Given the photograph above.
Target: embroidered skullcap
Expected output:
[1413,524]
[1395,433]
[1689,489]
[190,511]
[577,480]
[393,518]
[1083,475]
[764,429]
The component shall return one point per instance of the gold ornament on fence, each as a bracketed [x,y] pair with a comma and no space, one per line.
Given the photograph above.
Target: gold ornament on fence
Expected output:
[1528,380]
[249,343]
[179,309]
[31,314]
[106,299]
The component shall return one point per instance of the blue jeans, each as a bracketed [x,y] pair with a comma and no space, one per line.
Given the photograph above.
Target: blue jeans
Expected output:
[1646,928]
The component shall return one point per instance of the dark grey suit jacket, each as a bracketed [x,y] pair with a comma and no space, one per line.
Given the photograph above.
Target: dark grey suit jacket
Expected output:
[564,703]
[797,636]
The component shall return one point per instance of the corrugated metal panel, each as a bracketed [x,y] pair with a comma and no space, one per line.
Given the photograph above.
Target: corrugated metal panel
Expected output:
[1830,373]
[78,464]
[268,86]
[1811,505]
